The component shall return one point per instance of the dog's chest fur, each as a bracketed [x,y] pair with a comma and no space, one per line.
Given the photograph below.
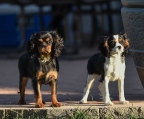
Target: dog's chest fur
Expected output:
[114,67]
[46,66]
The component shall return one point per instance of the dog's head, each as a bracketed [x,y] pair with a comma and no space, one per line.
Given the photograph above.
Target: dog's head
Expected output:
[114,44]
[45,43]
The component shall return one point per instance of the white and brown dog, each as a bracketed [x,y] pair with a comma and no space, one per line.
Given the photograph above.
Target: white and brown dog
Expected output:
[110,65]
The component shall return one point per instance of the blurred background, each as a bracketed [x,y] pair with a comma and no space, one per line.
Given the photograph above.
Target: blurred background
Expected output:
[80,22]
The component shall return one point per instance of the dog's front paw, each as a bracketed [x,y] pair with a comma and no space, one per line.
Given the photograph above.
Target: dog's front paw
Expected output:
[56,104]
[109,103]
[39,105]
[22,102]
[124,102]
[82,101]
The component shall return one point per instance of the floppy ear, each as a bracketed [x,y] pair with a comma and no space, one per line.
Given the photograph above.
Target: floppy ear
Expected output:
[104,48]
[31,45]
[57,44]
[125,44]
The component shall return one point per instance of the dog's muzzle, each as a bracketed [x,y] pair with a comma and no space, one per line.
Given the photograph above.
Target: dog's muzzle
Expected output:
[119,47]
[43,45]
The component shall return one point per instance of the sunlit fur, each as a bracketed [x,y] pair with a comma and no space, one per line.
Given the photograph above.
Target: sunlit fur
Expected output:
[110,66]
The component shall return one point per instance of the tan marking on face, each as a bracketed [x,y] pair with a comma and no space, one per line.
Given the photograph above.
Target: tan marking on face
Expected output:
[106,44]
[40,40]
[48,48]
[115,40]
[53,74]
[47,39]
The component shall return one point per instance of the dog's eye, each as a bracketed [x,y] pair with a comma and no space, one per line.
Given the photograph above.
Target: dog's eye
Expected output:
[112,44]
[120,39]
[49,41]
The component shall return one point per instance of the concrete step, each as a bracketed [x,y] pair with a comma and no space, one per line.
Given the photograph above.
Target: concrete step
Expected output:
[92,110]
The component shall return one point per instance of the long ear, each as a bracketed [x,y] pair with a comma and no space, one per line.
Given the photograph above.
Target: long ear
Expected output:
[31,46]
[57,44]
[126,44]
[104,48]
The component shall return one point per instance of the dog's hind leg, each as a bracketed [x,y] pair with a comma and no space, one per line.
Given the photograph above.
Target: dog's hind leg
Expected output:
[100,87]
[22,85]
[90,80]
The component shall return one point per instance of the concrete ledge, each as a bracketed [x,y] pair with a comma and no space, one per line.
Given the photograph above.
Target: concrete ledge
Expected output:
[92,111]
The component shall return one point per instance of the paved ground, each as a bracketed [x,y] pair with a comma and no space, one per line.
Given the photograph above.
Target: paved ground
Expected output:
[72,78]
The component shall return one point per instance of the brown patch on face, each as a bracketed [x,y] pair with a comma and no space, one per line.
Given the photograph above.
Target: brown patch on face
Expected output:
[48,48]
[40,40]
[47,39]
[106,44]
[126,43]
[120,39]
[52,74]
[40,75]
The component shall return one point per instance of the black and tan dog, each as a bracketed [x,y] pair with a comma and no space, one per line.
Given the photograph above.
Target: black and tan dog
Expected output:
[40,63]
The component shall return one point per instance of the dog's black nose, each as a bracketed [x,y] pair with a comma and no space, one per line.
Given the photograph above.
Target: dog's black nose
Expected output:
[119,47]
[44,45]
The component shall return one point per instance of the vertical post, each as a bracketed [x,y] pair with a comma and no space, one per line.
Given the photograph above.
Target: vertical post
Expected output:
[66,26]
[102,19]
[94,26]
[132,16]
[109,17]
[77,41]
[41,18]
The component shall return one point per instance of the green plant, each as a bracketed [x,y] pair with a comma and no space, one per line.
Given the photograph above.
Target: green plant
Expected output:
[79,114]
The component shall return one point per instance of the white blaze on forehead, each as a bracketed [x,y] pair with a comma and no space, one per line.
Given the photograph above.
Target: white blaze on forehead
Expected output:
[116,37]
